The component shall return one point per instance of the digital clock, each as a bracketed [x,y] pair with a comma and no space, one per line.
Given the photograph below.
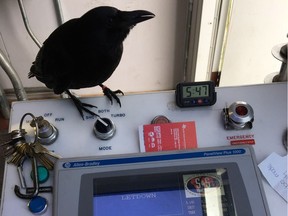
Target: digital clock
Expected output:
[193,94]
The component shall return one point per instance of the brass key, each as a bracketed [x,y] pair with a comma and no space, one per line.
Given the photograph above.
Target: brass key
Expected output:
[44,156]
[12,137]
[39,148]
[21,150]
[16,158]
[11,140]
[16,148]
[44,160]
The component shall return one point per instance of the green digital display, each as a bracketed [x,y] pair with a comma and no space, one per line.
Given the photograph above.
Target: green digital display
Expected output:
[195,91]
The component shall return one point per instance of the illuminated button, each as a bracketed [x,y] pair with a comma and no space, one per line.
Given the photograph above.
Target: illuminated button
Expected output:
[240,115]
[43,174]
[37,205]
[241,110]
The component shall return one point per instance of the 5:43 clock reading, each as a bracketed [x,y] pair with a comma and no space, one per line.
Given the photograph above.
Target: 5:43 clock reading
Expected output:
[193,94]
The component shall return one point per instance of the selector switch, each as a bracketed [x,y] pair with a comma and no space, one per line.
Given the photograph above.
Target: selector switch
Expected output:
[47,133]
[102,131]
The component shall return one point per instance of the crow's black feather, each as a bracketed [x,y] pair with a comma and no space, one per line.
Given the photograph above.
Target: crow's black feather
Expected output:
[84,52]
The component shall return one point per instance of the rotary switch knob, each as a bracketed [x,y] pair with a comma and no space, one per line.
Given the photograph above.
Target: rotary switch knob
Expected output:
[104,128]
[48,133]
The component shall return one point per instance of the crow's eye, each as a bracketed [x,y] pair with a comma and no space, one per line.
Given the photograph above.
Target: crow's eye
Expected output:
[111,19]
[110,22]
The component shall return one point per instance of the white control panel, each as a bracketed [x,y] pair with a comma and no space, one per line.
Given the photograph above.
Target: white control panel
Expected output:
[77,139]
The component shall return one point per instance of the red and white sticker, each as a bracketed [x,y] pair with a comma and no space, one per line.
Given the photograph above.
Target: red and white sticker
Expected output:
[243,139]
[168,136]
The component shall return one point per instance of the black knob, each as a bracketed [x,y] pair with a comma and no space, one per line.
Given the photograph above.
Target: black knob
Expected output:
[104,128]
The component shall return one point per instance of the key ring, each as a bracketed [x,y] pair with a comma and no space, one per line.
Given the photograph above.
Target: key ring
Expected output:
[34,163]
[36,130]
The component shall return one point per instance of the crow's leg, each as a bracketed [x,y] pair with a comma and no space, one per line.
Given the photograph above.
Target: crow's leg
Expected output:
[111,94]
[81,106]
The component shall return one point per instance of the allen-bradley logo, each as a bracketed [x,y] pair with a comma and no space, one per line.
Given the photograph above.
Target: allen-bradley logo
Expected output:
[79,164]
[67,165]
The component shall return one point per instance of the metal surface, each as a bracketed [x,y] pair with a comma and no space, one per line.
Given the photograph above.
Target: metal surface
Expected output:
[26,23]
[240,118]
[4,105]
[47,132]
[280,53]
[35,190]
[13,76]
[59,11]
[276,52]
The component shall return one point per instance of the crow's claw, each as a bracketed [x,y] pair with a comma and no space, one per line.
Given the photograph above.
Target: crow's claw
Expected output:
[112,94]
[118,92]
[81,106]
[89,105]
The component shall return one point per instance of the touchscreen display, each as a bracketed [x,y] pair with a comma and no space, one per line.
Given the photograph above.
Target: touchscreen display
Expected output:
[200,193]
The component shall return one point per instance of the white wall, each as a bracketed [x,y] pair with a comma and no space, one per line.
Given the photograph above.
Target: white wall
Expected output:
[153,51]
[256,27]
[206,29]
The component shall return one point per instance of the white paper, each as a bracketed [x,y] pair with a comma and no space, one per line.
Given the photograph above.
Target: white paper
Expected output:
[274,169]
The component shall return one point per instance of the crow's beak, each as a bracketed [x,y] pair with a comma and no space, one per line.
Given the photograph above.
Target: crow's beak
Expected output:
[131,18]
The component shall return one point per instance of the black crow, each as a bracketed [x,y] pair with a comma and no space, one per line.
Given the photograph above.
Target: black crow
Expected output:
[84,52]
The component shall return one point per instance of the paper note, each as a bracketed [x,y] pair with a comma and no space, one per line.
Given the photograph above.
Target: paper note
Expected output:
[274,169]
[167,136]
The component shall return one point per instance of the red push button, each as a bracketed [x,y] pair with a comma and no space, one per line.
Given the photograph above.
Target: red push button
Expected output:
[200,101]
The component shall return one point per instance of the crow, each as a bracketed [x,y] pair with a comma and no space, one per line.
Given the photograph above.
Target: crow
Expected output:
[85,51]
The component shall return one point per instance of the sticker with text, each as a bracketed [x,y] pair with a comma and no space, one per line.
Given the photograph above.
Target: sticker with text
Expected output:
[168,136]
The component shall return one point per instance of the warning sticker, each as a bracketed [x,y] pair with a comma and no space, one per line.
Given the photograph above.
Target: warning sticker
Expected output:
[243,139]
[168,136]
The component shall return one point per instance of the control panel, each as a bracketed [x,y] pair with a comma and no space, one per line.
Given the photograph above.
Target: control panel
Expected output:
[254,115]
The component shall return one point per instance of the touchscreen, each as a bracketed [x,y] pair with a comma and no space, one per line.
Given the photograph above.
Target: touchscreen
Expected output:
[201,193]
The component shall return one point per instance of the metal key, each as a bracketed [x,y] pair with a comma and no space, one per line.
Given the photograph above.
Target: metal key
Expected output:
[21,150]
[44,156]
[44,160]
[5,139]
[11,140]
[12,137]
[39,148]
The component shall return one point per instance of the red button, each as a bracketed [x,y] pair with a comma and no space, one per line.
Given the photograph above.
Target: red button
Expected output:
[241,110]
[200,101]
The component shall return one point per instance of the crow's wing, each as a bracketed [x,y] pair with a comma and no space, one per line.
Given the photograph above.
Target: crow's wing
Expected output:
[54,62]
